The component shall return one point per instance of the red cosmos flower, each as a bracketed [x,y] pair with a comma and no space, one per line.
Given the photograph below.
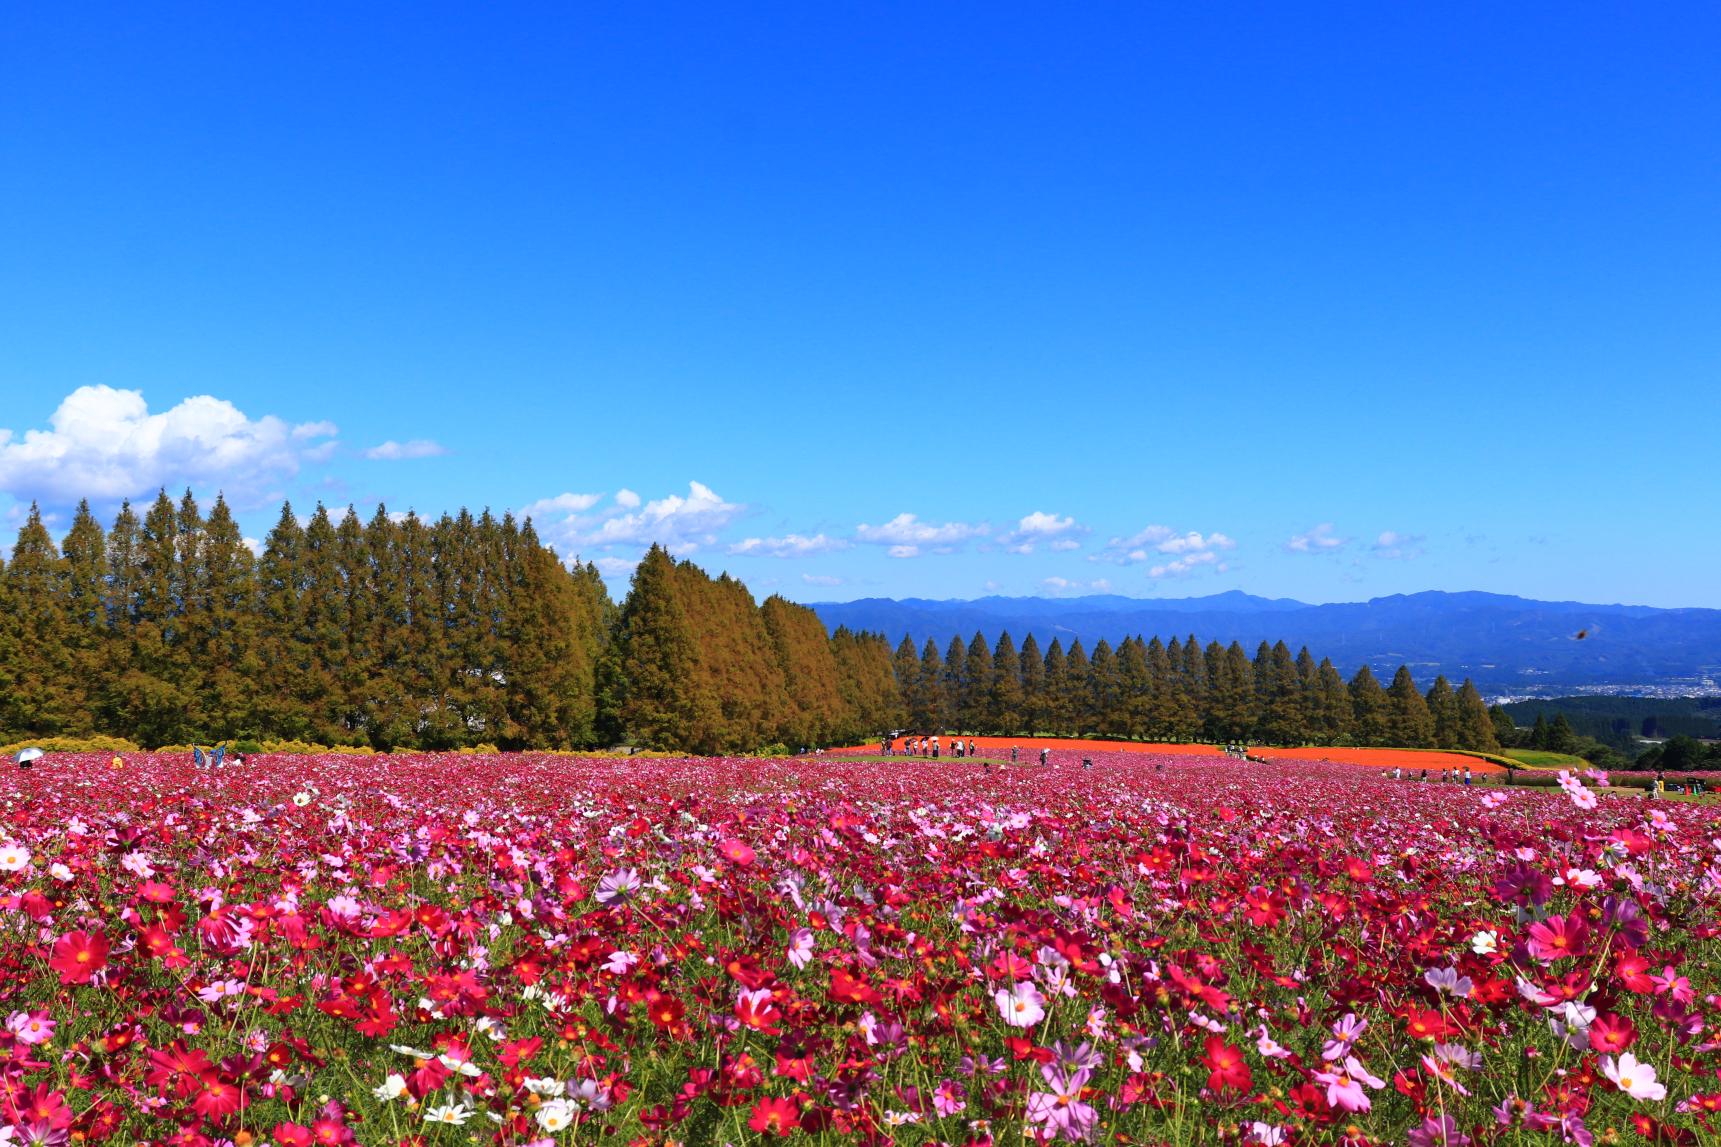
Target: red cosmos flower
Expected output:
[736,853]
[293,1135]
[1612,1034]
[665,1011]
[43,1107]
[1425,1024]
[217,1098]
[78,956]
[775,1116]
[177,1065]
[755,1009]
[847,988]
[1558,937]
[1225,1063]
[1634,974]
[1263,909]
[155,892]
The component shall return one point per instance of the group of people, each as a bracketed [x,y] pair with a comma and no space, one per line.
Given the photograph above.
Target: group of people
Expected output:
[1447,776]
[927,746]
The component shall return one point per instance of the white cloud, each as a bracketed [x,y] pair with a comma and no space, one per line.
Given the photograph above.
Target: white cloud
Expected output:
[1395,546]
[1058,533]
[789,546]
[1155,540]
[1189,564]
[1319,540]
[392,451]
[824,580]
[105,445]
[907,536]
[563,505]
[617,567]
[683,524]
[1062,585]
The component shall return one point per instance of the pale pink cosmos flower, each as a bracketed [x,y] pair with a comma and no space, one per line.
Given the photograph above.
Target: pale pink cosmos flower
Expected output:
[1632,1077]
[1021,1006]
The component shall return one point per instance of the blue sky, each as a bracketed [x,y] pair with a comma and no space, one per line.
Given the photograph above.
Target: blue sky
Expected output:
[893,300]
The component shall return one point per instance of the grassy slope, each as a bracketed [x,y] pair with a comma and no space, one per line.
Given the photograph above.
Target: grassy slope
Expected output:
[1542,759]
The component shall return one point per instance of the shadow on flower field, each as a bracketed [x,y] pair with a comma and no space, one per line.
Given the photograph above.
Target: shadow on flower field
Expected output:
[545,949]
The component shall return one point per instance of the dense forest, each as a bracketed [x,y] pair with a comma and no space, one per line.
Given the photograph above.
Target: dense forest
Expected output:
[399,632]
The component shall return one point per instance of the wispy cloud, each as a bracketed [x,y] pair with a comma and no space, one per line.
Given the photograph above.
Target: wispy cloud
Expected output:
[392,451]
[790,546]
[1395,546]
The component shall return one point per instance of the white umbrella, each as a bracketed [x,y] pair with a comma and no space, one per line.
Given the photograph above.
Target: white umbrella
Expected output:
[25,756]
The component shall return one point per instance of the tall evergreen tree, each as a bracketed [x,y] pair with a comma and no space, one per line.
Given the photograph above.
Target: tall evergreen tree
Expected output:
[1006,700]
[1443,708]
[1033,666]
[1475,722]
[89,648]
[40,700]
[661,701]
[929,698]
[1409,723]
[1370,709]
[974,707]
[1056,689]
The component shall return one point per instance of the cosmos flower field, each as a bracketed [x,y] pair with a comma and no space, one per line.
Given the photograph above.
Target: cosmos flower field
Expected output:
[550,950]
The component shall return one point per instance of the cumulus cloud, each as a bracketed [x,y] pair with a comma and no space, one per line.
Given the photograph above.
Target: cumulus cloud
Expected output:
[906,536]
[789,546]
[1319,540]
[683,524]
[104,444]
[392,451]
[1150,543]
[1056,533]
[1395,546]
[824,581]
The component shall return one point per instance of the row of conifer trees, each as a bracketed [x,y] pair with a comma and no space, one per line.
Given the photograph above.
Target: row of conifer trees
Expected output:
[399,632]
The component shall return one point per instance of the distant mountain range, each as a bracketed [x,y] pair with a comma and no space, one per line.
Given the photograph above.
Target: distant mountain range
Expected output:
[1510,646]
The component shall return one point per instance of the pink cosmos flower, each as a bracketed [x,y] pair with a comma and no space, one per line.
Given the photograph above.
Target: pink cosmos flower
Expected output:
[31,1027]
[1345,1086]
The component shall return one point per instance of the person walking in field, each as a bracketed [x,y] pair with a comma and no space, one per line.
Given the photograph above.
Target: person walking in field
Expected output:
[1466,776]
[1045,756]
[935,748]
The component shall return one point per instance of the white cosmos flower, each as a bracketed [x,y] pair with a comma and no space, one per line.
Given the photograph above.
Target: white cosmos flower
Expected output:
[1485,943]
[1635,1079]
[453,1113]
[392,1088]
[14,858]
[556,1114]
